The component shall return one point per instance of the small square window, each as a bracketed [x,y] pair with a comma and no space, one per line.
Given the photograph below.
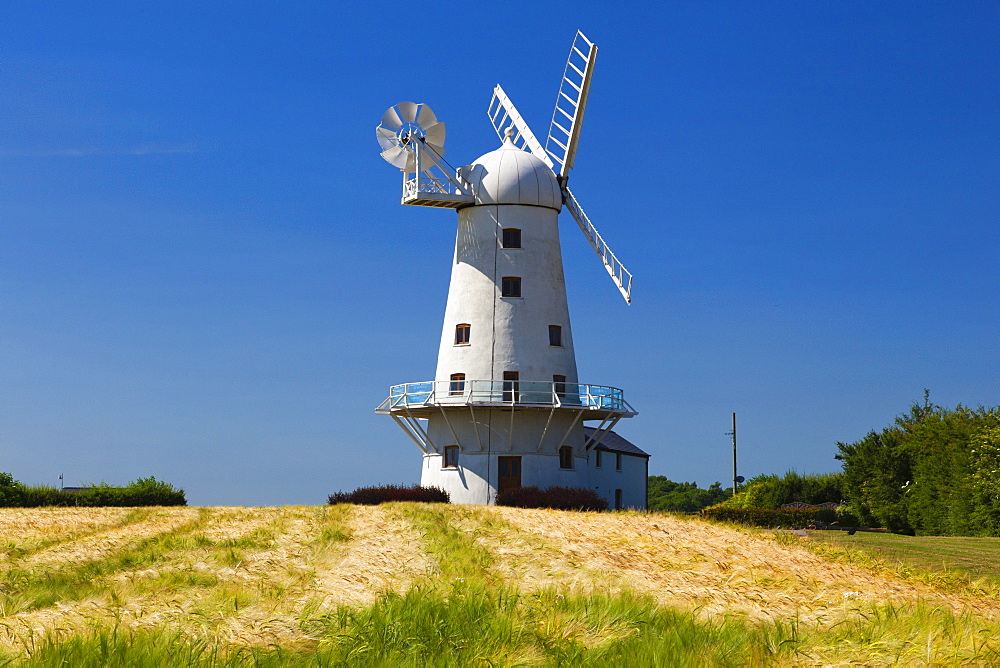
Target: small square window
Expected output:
[510,286]
[462,334]
[566,457]
[450,457]
[555,336]
[511,237]
[457,385]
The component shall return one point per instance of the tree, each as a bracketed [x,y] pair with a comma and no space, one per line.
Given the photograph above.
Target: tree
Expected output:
[686,497]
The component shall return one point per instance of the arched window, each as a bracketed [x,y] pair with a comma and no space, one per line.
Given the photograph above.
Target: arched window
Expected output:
[566,457]
[450,457]
[511,237]
[457,383]
[463,333]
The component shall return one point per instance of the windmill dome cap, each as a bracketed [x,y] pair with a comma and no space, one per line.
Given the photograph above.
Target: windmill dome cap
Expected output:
[510,175]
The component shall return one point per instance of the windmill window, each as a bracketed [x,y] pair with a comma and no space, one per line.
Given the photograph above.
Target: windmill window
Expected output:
[457,385]
[566,457]
[510,286]
[450,457]
[618,461]
[597,458]
[559,385]
[462,334]
[511,237]
[511,386]
[555,336]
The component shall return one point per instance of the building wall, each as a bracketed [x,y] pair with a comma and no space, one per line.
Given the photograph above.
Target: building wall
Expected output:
[475,480]
[508,334]
[631,479]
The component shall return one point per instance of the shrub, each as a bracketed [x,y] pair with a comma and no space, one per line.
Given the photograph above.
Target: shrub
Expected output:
[141,492]
[560,498]
[784,517]
[771,491]
[372,496]
[11,491]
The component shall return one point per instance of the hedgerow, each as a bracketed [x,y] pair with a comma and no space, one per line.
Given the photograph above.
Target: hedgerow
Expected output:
[784,517]
[141,492]
[373,496]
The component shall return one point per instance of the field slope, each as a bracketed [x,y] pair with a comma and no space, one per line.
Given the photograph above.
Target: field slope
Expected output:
[428,584]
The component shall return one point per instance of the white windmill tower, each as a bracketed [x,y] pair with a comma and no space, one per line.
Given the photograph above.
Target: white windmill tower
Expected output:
[505,407]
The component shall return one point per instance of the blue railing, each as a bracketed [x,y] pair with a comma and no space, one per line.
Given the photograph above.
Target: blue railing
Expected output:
[506,393]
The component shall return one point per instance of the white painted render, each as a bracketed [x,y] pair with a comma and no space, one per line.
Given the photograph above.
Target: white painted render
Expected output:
[631,479]
[474,481]
[513,189]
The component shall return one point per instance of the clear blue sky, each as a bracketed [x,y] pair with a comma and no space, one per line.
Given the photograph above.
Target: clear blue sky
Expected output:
[206,276]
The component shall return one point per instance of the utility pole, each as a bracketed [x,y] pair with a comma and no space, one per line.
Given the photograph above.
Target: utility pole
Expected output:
[734,454]
[736,478]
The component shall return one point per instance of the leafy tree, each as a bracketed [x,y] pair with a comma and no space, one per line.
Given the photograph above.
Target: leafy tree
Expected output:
[877,472]
[687,497]
[984,483]
[11,491]
[929,473]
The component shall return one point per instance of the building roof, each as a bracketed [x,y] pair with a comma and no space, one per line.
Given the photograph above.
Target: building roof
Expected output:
[510,175]
[612,442]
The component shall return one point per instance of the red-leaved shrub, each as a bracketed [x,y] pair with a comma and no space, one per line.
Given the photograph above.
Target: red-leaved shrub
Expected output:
[372,496]
[560,498]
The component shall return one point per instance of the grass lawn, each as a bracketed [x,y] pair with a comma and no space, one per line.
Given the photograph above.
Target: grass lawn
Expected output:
[976,557]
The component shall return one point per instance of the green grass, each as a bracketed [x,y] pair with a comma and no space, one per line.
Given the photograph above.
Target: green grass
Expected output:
[481,625]
[975,558]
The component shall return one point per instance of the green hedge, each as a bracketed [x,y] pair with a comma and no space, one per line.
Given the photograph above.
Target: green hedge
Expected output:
[142,492]
[783,517]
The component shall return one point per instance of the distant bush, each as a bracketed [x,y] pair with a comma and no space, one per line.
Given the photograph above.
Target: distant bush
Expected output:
[560,498]
[785,517]
[772,491]
[372,496]
[142,492]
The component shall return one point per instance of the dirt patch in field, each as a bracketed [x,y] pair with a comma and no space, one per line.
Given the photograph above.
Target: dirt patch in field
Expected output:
[692,563]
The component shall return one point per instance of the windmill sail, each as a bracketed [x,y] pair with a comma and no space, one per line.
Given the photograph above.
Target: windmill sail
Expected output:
[571,103]
[504,115]
[619,274]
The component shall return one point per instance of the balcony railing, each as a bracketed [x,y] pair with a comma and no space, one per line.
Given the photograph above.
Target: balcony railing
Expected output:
[505,393]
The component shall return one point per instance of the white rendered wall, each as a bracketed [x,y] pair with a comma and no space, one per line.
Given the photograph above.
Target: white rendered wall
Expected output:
[508,334]
[475,479]
[631,479]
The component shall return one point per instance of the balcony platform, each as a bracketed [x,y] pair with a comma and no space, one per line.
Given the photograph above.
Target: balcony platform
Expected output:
[421,400]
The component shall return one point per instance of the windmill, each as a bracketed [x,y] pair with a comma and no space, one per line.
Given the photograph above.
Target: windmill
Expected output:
[506,407]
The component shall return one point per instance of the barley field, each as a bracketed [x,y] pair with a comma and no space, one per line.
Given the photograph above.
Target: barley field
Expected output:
[426,584]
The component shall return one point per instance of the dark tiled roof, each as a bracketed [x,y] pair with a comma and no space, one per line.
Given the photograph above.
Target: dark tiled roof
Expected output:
[615,443]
